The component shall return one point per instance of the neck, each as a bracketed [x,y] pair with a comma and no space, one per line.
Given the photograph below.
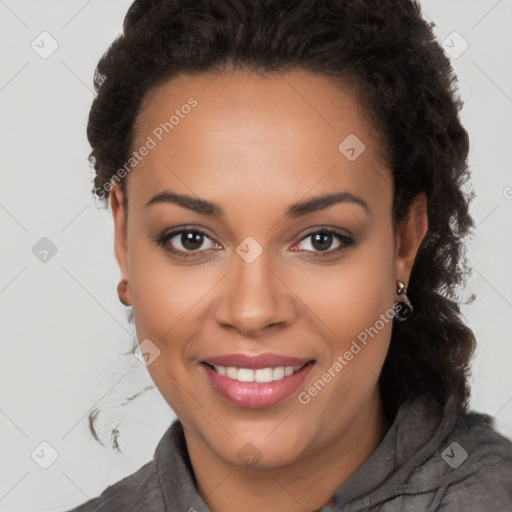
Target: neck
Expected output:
[306,484]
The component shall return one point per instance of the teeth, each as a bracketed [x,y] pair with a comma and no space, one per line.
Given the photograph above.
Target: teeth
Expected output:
[259,375]
[263,375]
[278,373]
[232,372]
[246,375]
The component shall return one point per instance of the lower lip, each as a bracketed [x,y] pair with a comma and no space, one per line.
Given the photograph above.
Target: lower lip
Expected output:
[256,395]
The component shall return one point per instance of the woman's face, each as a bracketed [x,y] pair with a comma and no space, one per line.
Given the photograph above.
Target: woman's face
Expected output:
[255,272]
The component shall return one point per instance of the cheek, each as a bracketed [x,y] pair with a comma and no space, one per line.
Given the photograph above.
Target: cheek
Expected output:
[163,293]
[353,303]
[351,295]
[357,308]
[166,298]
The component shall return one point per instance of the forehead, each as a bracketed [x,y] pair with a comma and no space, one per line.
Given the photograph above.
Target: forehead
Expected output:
[282,135]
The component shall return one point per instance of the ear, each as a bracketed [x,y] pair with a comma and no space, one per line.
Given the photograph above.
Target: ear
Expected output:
[120,231]
[409,234]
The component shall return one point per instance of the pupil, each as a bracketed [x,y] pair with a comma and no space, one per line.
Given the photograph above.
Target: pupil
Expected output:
[191,240]
[321,241]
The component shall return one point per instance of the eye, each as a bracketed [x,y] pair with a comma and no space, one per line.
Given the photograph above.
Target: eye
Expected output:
[321,240]
[186,242]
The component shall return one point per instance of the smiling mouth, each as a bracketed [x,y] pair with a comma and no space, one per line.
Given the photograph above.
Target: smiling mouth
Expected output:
[258,375]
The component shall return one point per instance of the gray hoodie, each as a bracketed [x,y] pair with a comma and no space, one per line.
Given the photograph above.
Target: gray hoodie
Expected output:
[429,460]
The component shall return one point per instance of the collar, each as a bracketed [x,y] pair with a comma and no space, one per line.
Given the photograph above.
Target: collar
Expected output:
[419,427]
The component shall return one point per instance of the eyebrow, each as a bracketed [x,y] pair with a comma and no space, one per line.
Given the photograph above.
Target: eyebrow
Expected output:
[298,209]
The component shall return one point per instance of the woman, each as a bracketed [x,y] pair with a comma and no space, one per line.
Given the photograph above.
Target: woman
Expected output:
[285,181]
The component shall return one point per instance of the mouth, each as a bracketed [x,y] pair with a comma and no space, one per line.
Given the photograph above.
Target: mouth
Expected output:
[256,387]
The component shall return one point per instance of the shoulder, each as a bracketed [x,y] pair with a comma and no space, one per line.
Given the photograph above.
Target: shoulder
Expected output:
[478,466]
[139,491]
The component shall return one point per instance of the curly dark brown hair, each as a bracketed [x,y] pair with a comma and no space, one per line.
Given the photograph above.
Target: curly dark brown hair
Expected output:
[388,54]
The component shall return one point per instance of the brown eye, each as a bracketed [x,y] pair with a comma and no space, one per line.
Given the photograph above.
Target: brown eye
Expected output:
[191,240]
[321,241]
[185,242]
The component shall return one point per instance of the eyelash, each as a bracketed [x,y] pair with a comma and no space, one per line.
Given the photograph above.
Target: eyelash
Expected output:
[344,239]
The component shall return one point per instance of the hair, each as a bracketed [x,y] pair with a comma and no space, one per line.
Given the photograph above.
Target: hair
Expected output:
[384,51]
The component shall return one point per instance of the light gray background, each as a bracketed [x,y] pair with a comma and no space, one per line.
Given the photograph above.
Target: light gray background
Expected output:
[63,330]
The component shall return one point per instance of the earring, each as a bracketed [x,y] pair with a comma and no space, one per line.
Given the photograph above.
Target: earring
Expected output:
[403,309]
[121,289]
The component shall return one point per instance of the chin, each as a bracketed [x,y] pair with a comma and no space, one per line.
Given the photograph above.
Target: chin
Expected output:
[261,453]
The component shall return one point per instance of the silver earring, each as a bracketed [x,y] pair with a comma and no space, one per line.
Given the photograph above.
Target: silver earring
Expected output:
[402,309]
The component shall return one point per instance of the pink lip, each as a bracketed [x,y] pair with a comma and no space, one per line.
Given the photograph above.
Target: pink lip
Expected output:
[267,360]
[256,395]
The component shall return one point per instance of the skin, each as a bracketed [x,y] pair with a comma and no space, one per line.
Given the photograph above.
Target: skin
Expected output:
[255,145]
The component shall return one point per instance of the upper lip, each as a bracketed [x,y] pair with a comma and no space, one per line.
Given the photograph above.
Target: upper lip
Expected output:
[266,360]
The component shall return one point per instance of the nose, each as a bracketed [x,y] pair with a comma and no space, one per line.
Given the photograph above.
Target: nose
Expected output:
[254,299]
